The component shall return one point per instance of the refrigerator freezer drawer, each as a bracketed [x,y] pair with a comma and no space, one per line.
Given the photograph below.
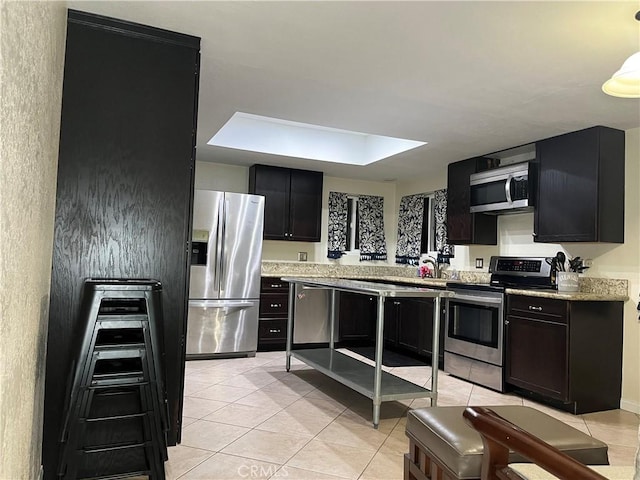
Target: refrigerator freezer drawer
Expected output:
[218,327]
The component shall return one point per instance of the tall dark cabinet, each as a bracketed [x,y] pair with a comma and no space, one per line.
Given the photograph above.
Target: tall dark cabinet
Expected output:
[125,187]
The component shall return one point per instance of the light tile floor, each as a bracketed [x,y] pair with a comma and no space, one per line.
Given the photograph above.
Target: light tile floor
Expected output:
[247,418]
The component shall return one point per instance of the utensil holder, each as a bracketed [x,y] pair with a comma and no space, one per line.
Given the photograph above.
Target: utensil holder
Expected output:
[567,281]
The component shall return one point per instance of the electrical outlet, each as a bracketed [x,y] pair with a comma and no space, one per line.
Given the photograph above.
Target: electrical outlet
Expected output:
[302,256]
[587,262]
[479,262]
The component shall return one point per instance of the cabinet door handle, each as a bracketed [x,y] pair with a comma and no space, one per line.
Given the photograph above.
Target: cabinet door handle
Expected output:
[506,322]
[276,305]
[274,330]
[535,309]
[276,285]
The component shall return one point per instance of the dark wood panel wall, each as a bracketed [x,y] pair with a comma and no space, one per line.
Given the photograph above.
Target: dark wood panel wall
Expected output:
[125,187]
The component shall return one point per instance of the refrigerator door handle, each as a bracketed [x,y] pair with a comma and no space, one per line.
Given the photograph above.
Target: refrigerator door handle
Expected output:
[227,307]
[219,242]
[220,304]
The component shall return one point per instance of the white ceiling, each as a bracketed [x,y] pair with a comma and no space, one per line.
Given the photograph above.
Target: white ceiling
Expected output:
[469,78]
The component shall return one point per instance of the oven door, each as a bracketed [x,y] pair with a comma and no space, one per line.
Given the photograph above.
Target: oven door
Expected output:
[474,325]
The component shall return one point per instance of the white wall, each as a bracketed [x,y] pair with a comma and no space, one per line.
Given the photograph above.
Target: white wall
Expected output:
[32,41]
[225,178]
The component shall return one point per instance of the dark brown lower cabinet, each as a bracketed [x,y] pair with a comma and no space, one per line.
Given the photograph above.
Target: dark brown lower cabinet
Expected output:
[565,353]
[357,319]
[409,327]
[273,313]
[412,316]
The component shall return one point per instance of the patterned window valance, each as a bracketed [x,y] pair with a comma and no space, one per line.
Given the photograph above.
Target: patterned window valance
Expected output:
[410,219]
[337,241]
[371,226]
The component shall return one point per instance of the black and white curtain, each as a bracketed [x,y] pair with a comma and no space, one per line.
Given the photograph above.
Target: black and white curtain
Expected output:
[440,212]
[410,218]
[337,241]
[371,226]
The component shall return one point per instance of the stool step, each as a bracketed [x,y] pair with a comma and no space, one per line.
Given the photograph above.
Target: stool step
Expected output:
[140,473]
[122,306]
[121,337]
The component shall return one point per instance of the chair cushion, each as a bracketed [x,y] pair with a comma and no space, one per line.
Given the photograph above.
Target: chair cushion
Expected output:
[443,432]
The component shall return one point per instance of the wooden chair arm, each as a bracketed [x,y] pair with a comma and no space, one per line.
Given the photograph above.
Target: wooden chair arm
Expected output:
[499,436]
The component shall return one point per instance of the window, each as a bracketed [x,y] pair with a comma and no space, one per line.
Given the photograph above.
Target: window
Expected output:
[353,233]
[428,237]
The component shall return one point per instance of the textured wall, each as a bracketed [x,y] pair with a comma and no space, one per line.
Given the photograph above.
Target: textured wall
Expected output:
[32,37]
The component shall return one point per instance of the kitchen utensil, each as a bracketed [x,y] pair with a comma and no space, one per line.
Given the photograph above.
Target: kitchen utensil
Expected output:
[561,258]
[553,262]
[575,265]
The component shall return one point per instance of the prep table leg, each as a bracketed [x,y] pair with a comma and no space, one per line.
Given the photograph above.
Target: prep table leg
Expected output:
[377,378]
[292,297]
[434,352]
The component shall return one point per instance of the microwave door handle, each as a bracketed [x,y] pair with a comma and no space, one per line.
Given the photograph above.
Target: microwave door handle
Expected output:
[507,188]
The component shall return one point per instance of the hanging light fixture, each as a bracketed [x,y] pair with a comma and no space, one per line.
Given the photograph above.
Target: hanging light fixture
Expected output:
[626,81]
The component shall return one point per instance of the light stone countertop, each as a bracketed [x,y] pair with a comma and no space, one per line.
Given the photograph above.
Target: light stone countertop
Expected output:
[591,289]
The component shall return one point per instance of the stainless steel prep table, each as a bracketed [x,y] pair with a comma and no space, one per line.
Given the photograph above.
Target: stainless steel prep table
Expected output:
[368,380]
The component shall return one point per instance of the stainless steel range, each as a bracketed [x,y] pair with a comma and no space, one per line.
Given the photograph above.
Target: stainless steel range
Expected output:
[474,340]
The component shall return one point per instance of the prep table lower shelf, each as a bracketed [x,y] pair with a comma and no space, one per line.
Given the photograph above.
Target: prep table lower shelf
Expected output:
[357,375]
[371,381]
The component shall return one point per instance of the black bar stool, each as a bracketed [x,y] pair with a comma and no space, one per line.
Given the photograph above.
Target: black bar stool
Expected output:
[116,415]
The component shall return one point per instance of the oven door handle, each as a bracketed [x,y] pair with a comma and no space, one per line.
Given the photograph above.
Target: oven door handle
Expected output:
[476,300]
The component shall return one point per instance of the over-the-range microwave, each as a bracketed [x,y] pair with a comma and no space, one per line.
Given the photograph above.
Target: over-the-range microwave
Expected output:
[506,189]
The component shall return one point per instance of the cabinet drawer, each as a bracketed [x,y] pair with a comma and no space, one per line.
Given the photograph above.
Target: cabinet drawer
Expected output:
[535,307]
[274,305]
[272,330]
[273,284]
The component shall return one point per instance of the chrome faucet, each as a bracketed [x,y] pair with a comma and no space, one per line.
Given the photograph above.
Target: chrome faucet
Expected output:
[436,266]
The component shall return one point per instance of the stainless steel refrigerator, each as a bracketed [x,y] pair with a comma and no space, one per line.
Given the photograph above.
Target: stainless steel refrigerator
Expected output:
[224,288]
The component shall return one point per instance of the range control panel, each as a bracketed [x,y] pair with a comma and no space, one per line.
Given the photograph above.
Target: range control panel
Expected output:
[518,266]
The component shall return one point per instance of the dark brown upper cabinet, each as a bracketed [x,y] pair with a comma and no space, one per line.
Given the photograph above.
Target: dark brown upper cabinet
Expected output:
[293,202]
[464,228]
[581,187]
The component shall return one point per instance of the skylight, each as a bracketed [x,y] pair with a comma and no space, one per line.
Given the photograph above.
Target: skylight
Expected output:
[256,133]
